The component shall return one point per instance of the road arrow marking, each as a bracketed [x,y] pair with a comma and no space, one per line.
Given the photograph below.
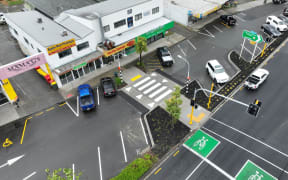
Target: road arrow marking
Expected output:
[11,161]
[151,105]
[128,89]
[139,96]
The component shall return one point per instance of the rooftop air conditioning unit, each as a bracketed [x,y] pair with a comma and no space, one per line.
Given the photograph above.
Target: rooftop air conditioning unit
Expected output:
[39,20]
[64,33]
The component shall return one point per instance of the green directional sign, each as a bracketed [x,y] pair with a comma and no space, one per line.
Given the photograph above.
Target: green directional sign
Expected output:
[250,171]
[252,36]
[202,143]
[79,66]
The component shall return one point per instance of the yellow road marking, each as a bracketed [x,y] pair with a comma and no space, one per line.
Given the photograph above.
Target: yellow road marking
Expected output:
[38,114]
[175,154]
[241,88]
[136,77]
[151,67]
[225,25]
[29,118]
[60,105]
[154,63]
[7,143]
[154,60]
[197,118]
[23,133]
[157,171]
[50,109]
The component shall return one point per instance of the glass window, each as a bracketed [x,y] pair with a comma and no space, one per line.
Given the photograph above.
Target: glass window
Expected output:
[75,73]
[83,46]
[106,28]
[32,46]
[86,69]
[69,76]
[26,40]
[91,66]
[155,10]
[64,53]
[119,23]
[38,50]
[98,63]
[63,79]
[138,16]
[130,21]
[80,71]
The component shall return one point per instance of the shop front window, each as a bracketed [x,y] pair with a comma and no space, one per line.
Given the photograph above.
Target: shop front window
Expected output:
[63,79]
[75,73]
[81,73]
[98,63]
[69,76]
[91,66]
[130,21]
[86,69]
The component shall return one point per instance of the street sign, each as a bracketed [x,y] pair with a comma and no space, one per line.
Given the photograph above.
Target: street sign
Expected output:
[251,171]
[252,36]
[202,143]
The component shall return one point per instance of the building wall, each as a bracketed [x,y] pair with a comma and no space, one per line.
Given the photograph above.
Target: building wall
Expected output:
[176,13]
[147,16]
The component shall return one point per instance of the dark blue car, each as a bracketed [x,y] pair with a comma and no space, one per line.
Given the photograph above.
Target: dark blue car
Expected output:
[86,98]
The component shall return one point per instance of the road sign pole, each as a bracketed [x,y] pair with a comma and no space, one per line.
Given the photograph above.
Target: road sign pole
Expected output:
[242,48]
[208,104]
[253,53]
[263,49]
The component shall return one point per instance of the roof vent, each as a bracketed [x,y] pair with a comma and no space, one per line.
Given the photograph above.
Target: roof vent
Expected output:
[173,2]
[39,20]
[64,33]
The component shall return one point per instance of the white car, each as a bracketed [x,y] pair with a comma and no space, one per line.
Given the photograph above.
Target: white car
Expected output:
[217,72]
[256,78]
[277,23]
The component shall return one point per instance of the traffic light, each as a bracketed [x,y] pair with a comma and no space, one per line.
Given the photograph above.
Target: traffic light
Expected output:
[254,108]
[193,103]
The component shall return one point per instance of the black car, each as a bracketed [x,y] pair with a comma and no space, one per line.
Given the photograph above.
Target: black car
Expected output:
[279,1]
[228,19]
[164,56]
[270,30]
[108,86]
[285,12]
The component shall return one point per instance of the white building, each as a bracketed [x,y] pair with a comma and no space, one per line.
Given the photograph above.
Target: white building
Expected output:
[76,40]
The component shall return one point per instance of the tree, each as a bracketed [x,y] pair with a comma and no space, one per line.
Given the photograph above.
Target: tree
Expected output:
[141,45]
[172,105]
[62,174]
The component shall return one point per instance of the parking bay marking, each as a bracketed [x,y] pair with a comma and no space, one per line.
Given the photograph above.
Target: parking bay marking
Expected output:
[181,50]
[217,28]
[192,45]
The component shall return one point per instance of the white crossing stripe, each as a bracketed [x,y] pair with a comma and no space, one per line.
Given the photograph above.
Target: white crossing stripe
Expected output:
[163,95]
[152,88]
[141,82]
[146,85]
[157,92]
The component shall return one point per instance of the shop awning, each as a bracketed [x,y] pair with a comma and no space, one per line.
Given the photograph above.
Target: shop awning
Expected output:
[137,31]
[85,59]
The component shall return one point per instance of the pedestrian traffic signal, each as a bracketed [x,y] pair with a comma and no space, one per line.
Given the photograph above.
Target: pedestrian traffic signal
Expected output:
[254,108]
[192,103]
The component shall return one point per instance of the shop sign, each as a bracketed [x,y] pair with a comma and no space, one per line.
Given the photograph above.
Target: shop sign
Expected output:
[61,46]
[119,48]
[80,65]
[9,90]
[20,66]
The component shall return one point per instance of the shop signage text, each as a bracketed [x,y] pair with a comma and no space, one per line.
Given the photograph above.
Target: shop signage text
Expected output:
[119,48]
[61,46]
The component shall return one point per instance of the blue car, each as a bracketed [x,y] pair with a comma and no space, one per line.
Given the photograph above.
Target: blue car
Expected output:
[86,98]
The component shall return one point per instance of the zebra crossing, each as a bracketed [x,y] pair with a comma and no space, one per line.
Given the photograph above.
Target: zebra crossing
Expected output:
[150,90]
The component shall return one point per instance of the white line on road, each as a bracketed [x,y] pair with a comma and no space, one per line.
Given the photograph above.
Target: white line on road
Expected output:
[141,82]
[267,145]
[243,14]
[239,18]
[237,24]
[189,42]
[72,108]
[100,167]
[209,33]
[157,92]
[279,168]
[77,105]
[194,170]
[205,34]
[98,96]
[147,84]
[123,146]
[30,175]
[163,95]
[181,50]
[152,88]
[217,28]
[143,130]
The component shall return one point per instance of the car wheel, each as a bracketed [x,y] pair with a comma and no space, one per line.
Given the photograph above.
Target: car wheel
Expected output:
[267,22]
[262,27]
[278,29]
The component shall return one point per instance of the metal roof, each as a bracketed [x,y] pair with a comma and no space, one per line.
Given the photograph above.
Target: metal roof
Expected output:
[47,33]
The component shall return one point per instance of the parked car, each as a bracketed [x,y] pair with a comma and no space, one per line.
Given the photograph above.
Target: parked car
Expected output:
[86,98]
[108,86]
[277,23]
[270,30]
[256,79]
[283,18]
[164,56]
[2,18]
[217,72]
[285,12]
[279,1]
[228,19]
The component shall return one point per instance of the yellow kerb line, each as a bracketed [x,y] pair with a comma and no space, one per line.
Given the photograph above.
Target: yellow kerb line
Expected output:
[38,114]
[50,109]
[60,105]
[157,171]
[23,133]
[175,154]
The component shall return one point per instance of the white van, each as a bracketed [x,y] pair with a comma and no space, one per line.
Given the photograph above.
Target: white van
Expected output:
[277,23]
[2,18]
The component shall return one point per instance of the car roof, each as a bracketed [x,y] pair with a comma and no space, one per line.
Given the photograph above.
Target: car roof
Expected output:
[214,62]
[259,72]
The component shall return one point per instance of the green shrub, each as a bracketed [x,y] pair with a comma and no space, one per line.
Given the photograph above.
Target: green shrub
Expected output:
[16,2]
[137,168]
[117,81]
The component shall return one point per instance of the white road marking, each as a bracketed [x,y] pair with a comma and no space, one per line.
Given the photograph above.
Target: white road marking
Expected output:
[139,96]
[98,96]
[217,28]
[143,130]
[30,175]
[153,74]
[239,18]
[147,84]
[128,89]
[243,14]
[192,45]
[279,168]
[151,104]
[267,145]
[164,80]
[152,88]
[157,92]
[72,108]
[209,33]
[181,50]
[123,146]
[237,24]
[163,95]
[77,105]
[141,82]
[194,170]
[100,167]
[210,163]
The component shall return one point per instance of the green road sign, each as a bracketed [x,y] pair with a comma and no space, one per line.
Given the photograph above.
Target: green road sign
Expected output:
[252,36]
[251,171]
[79,66]
[202,143]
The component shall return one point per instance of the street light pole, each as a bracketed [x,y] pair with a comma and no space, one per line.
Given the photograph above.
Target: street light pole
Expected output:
[120,72]
[188,73]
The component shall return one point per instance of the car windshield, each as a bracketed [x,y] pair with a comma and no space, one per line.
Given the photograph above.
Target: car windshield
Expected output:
[253,79]
[219,69]
[165,54]
[86,100]
[281,23]
[107,85]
